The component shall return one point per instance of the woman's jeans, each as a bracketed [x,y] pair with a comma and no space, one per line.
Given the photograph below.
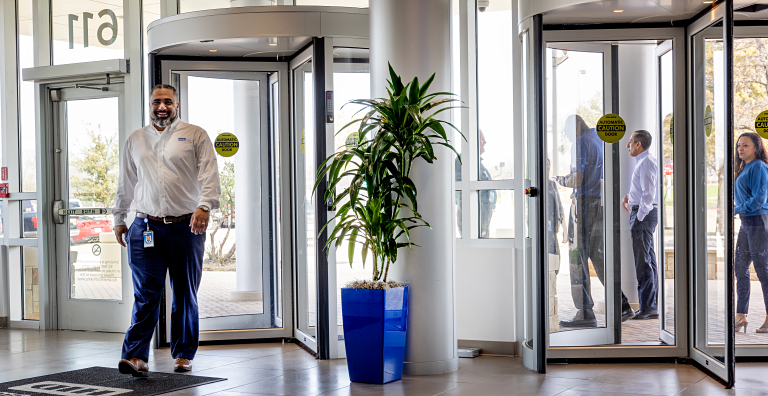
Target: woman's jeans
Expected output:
[751,247]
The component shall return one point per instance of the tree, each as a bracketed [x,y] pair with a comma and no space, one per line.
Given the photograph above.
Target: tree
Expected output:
[94,168]
[215,251]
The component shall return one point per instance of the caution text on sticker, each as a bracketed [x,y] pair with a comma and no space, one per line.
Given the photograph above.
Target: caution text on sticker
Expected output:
[611,128]
[226,144]
[761,124]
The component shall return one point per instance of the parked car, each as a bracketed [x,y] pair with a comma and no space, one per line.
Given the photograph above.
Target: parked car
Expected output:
[29,215]
[89,228]
[83,229]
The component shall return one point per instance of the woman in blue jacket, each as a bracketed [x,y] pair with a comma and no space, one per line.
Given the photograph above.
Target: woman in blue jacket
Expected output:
[751,200]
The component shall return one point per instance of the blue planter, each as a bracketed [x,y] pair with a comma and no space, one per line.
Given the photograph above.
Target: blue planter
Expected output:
[374,333]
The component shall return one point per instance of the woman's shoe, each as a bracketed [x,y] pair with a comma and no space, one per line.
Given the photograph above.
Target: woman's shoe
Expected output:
[762,329]
[743,324]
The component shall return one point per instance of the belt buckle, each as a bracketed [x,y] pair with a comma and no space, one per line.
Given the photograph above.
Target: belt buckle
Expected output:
[166,222]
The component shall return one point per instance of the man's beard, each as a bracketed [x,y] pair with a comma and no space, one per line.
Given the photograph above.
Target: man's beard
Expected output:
[163,122]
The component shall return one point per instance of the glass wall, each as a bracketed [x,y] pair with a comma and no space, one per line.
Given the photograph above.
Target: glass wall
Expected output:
[150,12]
[351,80]
[484,176]
[199,5]
[26,98]
[86,31]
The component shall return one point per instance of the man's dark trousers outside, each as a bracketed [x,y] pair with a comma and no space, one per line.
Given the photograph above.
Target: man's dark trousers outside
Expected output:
[591,246]
[645,258]
[178,252]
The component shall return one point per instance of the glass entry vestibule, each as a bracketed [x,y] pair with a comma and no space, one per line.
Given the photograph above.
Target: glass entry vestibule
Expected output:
[266,273]
[695,89]
[276,95]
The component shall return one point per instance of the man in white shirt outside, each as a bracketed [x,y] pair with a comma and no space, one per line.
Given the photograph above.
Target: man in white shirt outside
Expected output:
[169,177]
[642,205]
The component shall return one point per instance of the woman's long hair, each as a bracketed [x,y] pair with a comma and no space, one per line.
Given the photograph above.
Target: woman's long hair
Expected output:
[738,163]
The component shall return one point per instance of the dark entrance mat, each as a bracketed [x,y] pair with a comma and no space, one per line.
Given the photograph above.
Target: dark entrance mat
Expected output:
[101,381]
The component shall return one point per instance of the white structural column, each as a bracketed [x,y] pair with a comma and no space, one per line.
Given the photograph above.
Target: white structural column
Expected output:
[637,106]
[414,36]
[248,194]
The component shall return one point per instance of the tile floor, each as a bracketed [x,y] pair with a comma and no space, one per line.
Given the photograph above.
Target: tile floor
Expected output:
[285,369]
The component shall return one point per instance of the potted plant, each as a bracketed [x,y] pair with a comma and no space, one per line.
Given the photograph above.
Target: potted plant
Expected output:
[377,212]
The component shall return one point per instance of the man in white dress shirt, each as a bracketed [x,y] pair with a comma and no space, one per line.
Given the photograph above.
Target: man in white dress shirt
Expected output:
[169,177]
[641,203]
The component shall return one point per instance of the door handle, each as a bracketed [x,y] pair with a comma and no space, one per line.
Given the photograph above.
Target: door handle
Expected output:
[60,213]
[531,191]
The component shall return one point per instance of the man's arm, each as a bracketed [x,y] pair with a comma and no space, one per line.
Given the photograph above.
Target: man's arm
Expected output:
[648,184]
[125,192]
[208,177]
[208,172]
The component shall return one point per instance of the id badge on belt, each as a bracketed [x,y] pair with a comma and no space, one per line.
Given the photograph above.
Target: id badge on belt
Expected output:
[149,236]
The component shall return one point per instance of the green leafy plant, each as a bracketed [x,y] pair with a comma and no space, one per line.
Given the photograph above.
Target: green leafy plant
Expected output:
[379,208]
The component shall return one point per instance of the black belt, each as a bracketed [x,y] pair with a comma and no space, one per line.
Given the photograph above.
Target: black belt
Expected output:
[636,207]
[166,219]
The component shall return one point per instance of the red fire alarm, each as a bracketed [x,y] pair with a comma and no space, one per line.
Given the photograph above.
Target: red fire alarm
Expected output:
[4,190]
[4,173]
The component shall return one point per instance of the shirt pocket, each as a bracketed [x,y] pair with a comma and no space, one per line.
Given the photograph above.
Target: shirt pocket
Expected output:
[180,152]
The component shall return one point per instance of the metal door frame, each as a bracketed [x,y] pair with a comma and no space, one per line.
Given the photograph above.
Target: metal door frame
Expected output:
[677,35]
[165,66]
[102,315]
[612,330]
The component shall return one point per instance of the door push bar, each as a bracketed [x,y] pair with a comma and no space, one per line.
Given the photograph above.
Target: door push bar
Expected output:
[60,213]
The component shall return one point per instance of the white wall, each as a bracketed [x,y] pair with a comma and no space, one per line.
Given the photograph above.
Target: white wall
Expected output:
[485,304]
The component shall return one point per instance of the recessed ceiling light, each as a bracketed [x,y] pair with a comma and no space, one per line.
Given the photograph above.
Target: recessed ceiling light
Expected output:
[272,42]
[618,10]
[707,2]
[212,50]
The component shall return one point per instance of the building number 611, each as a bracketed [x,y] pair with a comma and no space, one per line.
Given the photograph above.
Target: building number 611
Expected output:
[99,34]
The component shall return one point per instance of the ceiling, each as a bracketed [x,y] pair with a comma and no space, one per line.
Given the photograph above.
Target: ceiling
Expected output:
[639,11]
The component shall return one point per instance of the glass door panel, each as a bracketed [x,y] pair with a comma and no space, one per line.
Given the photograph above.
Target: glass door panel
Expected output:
[712,318]
[240,264]
[750,100]
[666,227]
[580,266]
[306,227]
[93,279]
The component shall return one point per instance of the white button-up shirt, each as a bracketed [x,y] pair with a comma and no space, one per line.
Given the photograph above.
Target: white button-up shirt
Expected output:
[167,173]
[643,190]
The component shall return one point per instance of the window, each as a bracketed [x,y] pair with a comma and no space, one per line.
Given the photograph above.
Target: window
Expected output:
[28,157]
[86,31]
[484,193]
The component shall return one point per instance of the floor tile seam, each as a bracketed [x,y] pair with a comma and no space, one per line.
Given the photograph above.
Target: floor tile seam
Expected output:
[252,358]
[427,379]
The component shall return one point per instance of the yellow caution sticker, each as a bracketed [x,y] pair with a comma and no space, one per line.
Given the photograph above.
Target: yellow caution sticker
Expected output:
[352,140]
[672,130]
[708,120]
[611,128]
[761,124]
[226,144]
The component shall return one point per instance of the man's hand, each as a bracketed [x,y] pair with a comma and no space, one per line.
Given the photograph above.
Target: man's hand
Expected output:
[199,221]
[625,204]
[120,231]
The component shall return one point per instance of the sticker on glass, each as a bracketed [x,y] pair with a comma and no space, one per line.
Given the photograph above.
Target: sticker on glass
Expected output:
[611,128]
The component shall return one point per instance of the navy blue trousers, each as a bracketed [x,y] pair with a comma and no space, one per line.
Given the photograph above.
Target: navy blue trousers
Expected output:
[178,252]
[751,247]
[645,259]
